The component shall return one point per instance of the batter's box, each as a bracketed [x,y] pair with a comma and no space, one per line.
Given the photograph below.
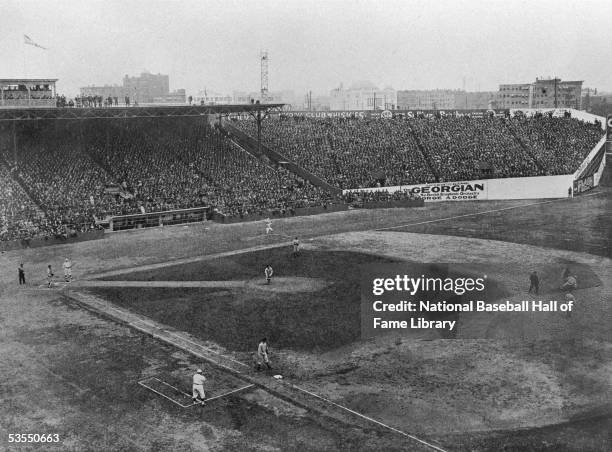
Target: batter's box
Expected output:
[183,398]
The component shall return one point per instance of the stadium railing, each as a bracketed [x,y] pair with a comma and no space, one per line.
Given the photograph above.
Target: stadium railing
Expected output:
[36,242]
[155,219]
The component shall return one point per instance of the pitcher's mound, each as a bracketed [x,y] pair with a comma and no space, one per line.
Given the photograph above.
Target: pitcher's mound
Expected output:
[289,284]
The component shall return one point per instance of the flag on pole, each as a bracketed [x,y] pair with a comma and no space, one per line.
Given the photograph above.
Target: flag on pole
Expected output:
[29,41]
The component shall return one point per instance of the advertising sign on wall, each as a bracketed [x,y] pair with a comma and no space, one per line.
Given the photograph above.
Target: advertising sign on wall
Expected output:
[539,187]
[584,184]
[377,114]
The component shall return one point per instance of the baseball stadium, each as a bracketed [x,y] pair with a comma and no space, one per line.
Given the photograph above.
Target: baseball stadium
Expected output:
[169,215]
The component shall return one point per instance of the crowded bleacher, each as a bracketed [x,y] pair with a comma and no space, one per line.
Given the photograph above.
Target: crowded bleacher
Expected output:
[80,174]
[360,153]
[72,176]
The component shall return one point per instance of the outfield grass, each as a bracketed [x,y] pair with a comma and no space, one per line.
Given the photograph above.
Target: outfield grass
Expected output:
[579,224]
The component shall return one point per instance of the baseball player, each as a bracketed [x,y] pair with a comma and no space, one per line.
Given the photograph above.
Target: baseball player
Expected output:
[21,273]
[296,247]
[268,272]
[49,276]
[67,270]
[268,226]
[262,354]
[570,283]
[534,282]
[198,387]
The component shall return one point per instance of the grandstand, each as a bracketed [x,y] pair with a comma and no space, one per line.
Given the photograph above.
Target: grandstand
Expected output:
[361,153]
[73,175]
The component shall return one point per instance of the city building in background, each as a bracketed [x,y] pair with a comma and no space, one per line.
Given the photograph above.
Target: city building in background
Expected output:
[445,99]
[147,86]
[363,95]
[543,93]
[598,103]
[517,95]
[27,92]
[437,99]
[144,89]
[476,100]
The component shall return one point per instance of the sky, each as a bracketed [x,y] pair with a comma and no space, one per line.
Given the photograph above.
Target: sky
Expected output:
[312,44]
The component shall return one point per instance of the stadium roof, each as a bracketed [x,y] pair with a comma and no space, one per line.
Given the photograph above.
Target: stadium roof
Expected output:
[27,80]
[158,111]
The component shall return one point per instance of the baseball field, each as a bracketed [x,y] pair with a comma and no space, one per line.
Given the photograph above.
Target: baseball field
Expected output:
[105,362]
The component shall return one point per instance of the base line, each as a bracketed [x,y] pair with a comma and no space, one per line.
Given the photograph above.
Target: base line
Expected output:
[152,325]
[163,395]
[228,393]
[363,416]
[481,213]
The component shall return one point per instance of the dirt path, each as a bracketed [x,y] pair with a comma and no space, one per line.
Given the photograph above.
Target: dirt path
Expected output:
[278,284]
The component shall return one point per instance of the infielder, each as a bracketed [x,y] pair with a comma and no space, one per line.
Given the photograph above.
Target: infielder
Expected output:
[268,272]
[296,247]
[268,226]
[534,282]
[21,273]
[67,270]
[262,354]
[198,387]
[49,276]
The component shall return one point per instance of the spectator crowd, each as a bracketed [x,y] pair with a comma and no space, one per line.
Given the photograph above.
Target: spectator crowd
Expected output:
[362,153]
[71,176]
[61,177]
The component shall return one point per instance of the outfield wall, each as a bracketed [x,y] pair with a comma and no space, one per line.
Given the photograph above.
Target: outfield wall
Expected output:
[486,189]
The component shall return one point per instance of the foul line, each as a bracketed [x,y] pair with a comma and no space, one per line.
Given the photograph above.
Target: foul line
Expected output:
[363,416]
[229,392]
[185,260]
[157,327]
[481,213]
[164,395]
